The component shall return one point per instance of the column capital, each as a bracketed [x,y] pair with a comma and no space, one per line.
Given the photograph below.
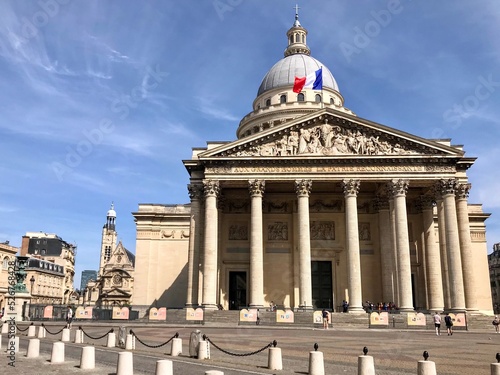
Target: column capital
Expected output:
[446,187]
[195,191]
[211,188]
[256,187]
[398,187]
[351,187]
[303,187]
[427,202]
[462,190]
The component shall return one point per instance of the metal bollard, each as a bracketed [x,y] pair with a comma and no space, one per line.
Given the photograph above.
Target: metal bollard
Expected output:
[125,365]
[164,367]
[33,348]
[87,359]
[316,363]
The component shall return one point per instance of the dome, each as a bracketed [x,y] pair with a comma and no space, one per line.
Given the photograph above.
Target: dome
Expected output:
[283,73]
[112,212]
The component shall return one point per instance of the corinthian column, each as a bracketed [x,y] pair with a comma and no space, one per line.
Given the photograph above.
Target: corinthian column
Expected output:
[456,282]
[432,257]
[303,189]
[462,193]
[195,193]
[211,190]
[351,189]
[256,188]
[399,189]
[384,229]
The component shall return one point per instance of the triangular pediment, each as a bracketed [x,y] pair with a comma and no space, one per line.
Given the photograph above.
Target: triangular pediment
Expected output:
[328,133]
[117,293]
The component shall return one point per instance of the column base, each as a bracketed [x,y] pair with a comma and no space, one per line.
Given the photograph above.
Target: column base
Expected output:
[407,309]
[356,310]
[457,310]
[255,306]
[305,308]
[209,306]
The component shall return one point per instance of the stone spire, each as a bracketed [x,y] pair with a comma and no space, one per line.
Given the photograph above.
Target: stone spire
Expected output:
[297,38]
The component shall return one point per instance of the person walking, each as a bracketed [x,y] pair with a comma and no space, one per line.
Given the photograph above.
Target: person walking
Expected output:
[69,317]
[437,323]
[495,323]
[449,324]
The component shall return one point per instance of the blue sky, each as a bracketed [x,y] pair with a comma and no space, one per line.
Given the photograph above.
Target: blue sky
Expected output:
[101,100]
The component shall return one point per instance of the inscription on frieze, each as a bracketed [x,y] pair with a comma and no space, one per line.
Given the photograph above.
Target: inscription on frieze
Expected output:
[334,169]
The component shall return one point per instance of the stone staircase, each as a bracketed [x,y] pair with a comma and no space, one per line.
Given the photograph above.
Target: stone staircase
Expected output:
[304,319]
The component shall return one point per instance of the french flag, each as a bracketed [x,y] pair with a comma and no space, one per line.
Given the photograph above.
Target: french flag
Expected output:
[311,81]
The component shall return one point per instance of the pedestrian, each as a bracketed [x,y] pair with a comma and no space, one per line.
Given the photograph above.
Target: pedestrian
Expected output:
[495,323]
[324,313]
[449,324]
[69,317]
[437,323]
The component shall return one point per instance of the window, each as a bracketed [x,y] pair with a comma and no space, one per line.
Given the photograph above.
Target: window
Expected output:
[268,102]
[300,97]
[317,98]
[283,99]
[107,253]
[332,101]
[5,263]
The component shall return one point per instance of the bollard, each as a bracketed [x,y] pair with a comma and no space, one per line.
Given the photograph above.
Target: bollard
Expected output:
[130,342]
[495,367]
[164,367]
[0,341]
[78,336]
[87,359]
[41,332]
[213,372]
[125,365]
[316,363]
[274,361]
[366,366]
[426,367]
[176,348]
[111,343]
[32,331]
[66,333]
[5,327]
[57,355]
[33,348]
[203,349]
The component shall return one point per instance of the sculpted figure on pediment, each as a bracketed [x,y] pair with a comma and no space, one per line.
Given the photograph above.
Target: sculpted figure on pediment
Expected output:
[325,139]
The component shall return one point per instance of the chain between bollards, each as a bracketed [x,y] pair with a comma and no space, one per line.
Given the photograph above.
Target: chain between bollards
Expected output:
[96,338]
[53,333]
[273,343]
[154,346]
[23,330]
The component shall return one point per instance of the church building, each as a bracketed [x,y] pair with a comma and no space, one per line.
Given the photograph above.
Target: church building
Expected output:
[115,278]
[312,205]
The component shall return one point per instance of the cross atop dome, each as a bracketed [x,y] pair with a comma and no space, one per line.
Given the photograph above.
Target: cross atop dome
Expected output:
[296,23]
[297,38]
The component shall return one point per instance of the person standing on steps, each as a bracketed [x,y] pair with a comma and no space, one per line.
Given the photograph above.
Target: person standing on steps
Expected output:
[495,323]
[324,313]
[437,323]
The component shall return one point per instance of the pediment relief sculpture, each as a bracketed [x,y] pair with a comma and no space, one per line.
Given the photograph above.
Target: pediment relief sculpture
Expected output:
[326,140]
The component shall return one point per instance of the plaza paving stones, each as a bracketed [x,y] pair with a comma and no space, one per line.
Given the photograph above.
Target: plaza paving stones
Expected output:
[394,351]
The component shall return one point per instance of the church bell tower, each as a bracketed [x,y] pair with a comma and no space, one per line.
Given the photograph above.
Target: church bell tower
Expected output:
[108,241]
